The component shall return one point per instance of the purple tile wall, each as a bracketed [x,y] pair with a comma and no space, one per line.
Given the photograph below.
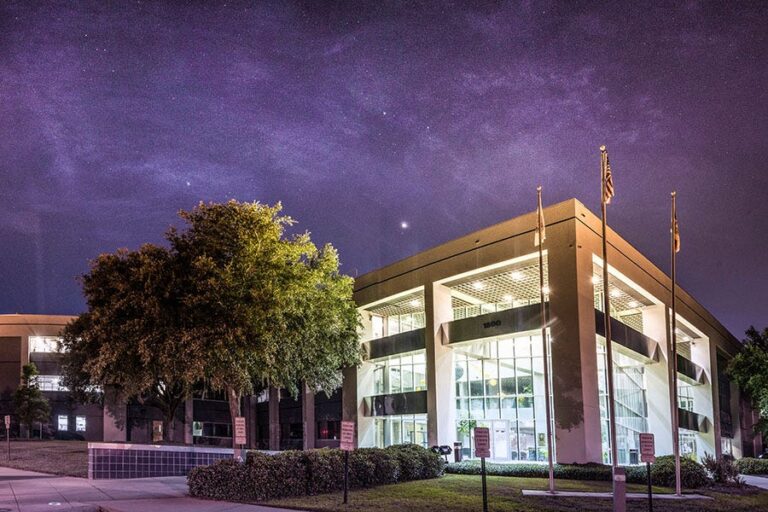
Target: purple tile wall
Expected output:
[115,463]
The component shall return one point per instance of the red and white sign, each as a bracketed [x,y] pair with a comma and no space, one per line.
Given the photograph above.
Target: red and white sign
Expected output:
[240,430]
[7,421]
[647,448]
[347,436]
[482,442]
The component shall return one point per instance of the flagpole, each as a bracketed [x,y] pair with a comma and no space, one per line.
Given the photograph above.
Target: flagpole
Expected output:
[675,413]
[607,317]
[545,344]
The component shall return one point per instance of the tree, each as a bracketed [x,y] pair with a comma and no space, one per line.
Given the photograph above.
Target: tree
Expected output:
[28,400]
[131,341]
[749,369]
[233,303]
[263,307]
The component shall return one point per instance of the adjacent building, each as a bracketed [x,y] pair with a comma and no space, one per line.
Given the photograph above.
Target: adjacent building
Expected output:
[452,338]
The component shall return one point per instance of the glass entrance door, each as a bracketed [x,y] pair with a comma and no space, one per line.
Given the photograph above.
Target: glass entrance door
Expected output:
[500,434]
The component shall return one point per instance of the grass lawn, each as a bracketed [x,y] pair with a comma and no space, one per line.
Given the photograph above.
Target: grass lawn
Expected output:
[463,493]
[58,457]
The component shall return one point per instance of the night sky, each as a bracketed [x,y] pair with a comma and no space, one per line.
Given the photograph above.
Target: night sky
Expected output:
[361,117]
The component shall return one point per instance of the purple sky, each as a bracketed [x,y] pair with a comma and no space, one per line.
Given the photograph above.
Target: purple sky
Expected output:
[360,117]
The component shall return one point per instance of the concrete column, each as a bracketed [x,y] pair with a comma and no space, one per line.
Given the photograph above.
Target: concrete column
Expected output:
[657,380]
[189,407]
[115,416]
[704,399]
[308,417]
[274,418]
[441,393]
[574,348]
[359,387]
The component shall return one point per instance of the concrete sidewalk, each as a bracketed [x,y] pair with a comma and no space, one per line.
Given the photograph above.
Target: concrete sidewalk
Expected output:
[26,491]
[757,481]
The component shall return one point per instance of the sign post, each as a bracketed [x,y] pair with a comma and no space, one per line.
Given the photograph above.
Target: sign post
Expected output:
[347,445]
[8,433]
[240,438]
[648,455]
[483,450]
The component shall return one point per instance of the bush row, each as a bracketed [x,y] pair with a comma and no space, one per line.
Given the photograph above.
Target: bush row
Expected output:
[299,473]
[662,471]
[750,466]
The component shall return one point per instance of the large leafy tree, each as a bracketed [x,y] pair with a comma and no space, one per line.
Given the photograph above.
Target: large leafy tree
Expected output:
[749,369]
[264,307]
[131,340]
[234,302]
[30,404]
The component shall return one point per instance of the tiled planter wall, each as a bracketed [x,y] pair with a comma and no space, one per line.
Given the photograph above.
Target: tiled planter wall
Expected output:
[117,460]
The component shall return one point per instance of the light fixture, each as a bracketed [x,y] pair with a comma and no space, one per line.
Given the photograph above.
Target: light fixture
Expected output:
[518,276]
[415,303]
[615,293]
[595,280]
[493,382]
[545,289]
[507,298]
[633,303]
[477,285]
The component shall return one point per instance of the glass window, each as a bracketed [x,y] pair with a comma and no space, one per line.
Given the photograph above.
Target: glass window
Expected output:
[505,387]
[44,343]
[328,429]
[50,383]
[80,423]
[63,422]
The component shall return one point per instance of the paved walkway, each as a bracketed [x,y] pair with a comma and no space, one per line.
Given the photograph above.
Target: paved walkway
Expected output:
[26,491]
[757,481]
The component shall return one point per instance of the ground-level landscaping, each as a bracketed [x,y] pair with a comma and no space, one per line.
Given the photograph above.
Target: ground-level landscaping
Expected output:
[463,493]
[68,458]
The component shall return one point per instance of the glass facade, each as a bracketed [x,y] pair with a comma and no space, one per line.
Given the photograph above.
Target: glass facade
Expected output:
[500,385]
[630,404]
[44,343]
[400,374]
[401,430]
[404,323]
[50,383]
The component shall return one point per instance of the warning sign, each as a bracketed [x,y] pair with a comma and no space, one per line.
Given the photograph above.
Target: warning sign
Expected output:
[482,442]
[647,448]
[347,435]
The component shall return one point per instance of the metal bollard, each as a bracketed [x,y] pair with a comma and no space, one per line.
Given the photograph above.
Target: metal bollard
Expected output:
[457,452]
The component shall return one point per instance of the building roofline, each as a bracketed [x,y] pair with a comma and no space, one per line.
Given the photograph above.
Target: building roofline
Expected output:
[526,223]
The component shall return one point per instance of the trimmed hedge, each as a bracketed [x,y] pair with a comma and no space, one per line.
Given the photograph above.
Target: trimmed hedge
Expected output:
[750,466]
[693,473]
[299,473]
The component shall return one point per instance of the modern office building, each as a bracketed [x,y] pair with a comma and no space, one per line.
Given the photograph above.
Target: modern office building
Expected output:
[453,340]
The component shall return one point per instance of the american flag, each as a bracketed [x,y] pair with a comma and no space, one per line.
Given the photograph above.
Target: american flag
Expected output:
[608,190]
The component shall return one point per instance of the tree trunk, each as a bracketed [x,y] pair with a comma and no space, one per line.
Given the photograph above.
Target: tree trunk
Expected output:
[233,397]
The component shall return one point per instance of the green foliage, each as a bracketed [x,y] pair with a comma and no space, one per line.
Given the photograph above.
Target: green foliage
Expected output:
[29,403]
[295,473]
[749,370]
[693,474]
[131,340]
[751,466]
[263,306]
[723,470]
[234,302]
[416,463]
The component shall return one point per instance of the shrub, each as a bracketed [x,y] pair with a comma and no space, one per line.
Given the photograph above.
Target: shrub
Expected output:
[723,470]
[276,476]
[323,469]
[296,473]
[221,481]
[692,474]
[750,466]
[416,462]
